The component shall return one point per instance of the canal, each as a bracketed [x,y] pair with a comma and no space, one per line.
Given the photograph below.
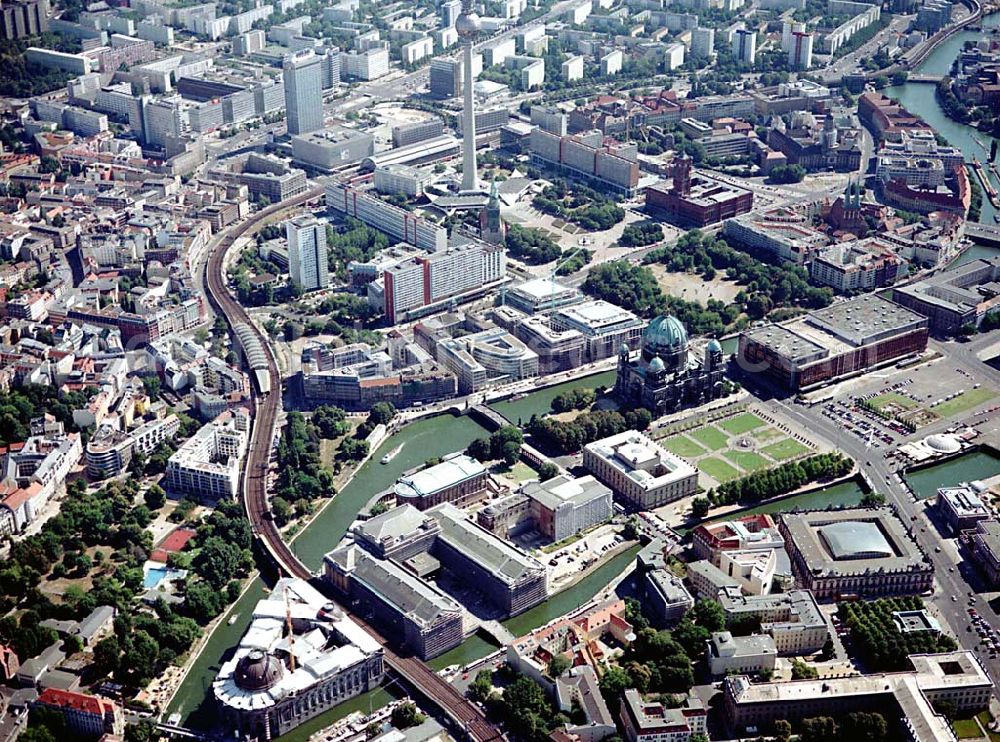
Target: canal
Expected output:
[919,98]
[540,402]
[968,468]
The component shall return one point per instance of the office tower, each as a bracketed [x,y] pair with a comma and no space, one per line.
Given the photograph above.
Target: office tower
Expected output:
[450,10]
[307,260]
[303,77]
[745,46]
[467,25]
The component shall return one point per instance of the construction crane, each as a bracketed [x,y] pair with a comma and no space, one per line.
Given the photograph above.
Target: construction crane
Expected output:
[291,634]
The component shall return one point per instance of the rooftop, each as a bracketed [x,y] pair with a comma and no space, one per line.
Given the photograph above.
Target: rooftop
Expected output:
[457,468]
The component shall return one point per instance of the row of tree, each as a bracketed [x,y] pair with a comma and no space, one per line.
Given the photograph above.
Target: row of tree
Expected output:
[768,483]
[570,436]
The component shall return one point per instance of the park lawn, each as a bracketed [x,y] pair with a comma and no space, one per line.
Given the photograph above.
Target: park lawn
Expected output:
[984,720]
[768,434]
[711,438]
[521,472]
[718,469]
[967,728]
[786,449]
[741,423]
[747,460]
[964,401]
[893,398]
[683,446]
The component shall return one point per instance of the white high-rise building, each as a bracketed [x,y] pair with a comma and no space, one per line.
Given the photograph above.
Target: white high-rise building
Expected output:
[745,46]
[303,77]
[702,43]
[801,51]
[307,258]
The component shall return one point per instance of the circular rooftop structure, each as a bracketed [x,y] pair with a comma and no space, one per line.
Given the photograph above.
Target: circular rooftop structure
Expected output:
[258,671]
[855,539]
[714,346]
[665,335]
[656,365]
[943,443]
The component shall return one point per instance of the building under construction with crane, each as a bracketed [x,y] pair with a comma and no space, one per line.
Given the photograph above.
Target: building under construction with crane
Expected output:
[300,656]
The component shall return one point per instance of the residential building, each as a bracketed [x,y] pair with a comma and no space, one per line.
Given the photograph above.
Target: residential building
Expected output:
[208,465]
[394,221]
[984,546]
[307,252]
[589,156]
[85,716]
[792,619]
[489,356]
[662,594]
[22,18]
[639,471]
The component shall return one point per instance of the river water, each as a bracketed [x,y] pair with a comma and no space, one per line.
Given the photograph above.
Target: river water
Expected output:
[919,98]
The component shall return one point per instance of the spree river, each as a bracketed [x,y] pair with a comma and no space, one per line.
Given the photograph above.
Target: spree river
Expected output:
[919,98]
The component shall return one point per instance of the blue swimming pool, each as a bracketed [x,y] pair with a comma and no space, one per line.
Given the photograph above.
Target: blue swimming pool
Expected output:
[154,574]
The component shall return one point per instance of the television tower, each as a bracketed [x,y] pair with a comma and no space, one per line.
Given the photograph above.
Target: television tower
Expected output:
[468,27]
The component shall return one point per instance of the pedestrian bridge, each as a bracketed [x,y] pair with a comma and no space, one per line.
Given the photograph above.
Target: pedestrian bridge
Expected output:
[919,77]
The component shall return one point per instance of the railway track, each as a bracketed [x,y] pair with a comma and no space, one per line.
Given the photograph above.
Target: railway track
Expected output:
[265,408]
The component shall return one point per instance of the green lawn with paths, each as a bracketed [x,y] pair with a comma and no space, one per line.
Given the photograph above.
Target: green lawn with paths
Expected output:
[748,461]
[711,438]
[786,449]
[718,469]
[741,423]
[683,446]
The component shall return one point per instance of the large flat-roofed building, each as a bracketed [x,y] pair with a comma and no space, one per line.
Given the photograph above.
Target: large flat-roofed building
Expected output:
[844,339]
[399,533]
[604,326]
[962,507]
[956,677]
[510,578]
[695,201]
[639,471]
[960,296]
[793,619]
[984,545]
[541,295]
[781,233]
[565,505]
[418,615]
[394,221]
[604,163]
[331,148]
[727,654]
[857,551]
[756,532]
[652,721]
[208,464]
[300,656]
[664,598]
[557,350]
[459,479]
[863,265]
[490,356]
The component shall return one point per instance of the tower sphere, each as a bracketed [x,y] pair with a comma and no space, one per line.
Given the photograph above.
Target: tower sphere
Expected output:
[467,26]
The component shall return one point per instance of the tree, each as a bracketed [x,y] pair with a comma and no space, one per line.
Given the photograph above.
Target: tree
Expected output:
[867,726]
[202,602]
[710,615]
[511,452]
[782,731]
[152,386]
[547,471]
[558,665]
[154,497]
[613,683]
[818,729]
[352,449]
[218,561]
[406,715]
[482,686]
[872,500]
[700,507]
[381,413]
[106,656]
[802,671]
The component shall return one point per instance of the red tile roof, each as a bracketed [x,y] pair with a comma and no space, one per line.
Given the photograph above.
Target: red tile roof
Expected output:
[77,701]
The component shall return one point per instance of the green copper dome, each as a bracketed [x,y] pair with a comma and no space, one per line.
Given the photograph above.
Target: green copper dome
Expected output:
[714,346]
[665,336]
